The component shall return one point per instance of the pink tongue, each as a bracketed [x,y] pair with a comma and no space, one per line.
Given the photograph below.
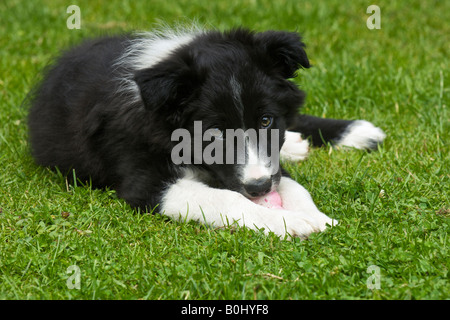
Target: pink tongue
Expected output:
[270,200]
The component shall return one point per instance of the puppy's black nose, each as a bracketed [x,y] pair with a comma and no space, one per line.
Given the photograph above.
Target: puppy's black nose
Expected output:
[258,187]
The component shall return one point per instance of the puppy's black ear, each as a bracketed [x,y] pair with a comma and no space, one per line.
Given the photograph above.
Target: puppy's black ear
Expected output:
[166,86]
[285,50]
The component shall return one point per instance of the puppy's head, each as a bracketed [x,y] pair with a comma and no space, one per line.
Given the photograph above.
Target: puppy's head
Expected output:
[229,97]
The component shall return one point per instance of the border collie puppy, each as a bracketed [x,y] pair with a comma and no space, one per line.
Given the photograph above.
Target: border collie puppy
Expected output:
[109,109]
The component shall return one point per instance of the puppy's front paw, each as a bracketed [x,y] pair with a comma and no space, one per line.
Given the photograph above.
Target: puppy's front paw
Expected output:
[361,134]
[287,223]
[294,147]
[296,198]
[322,221]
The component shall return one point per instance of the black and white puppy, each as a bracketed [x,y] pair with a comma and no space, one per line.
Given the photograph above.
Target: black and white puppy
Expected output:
[108,109]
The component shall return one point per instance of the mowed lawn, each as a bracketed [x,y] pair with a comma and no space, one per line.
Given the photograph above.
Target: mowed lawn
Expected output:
[60,241]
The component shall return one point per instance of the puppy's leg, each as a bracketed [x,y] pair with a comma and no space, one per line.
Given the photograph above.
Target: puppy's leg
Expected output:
[359,134]
[296,198]
[294,147]
[188,199]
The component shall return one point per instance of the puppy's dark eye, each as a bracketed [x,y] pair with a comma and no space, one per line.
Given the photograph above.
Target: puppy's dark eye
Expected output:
[216,133]
[266,122]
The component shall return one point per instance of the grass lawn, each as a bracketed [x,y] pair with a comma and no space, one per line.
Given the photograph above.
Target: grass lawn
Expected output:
[393,205]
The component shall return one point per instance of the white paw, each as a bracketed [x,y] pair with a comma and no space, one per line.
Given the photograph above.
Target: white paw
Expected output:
[294,147]
[362,134]
[296,198]
[322,221]
[287,223]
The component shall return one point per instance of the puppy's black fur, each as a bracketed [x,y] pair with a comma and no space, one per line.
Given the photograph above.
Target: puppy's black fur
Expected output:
[82,118]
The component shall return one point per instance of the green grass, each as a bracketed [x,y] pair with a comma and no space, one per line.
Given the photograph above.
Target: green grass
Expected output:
[393,205]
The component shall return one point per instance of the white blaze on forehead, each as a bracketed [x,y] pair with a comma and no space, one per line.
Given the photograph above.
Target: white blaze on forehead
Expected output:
[256,166]
[236,88]
[236,91]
